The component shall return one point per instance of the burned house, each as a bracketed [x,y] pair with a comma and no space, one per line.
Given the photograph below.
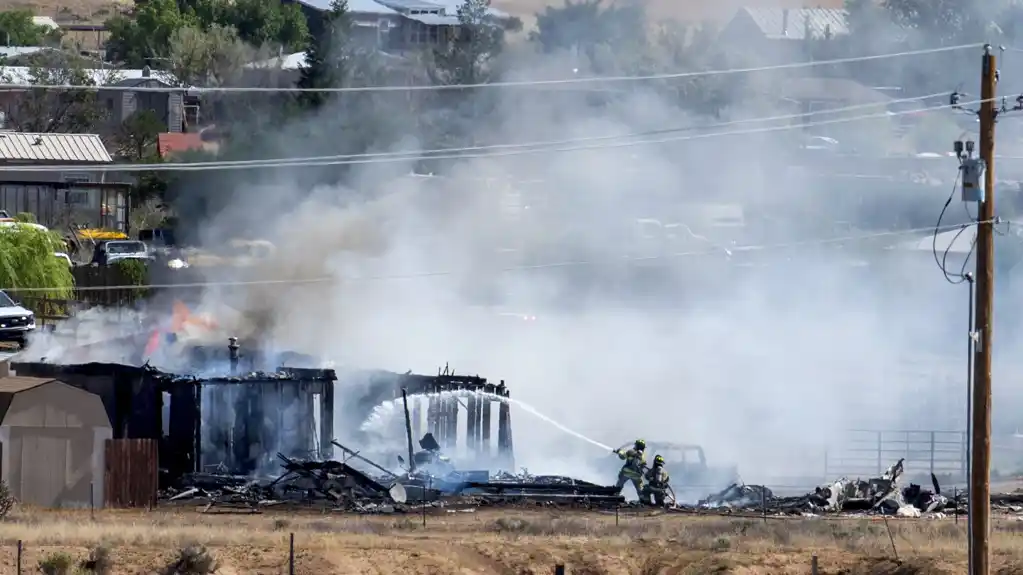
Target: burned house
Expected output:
[239,419]
[235,422]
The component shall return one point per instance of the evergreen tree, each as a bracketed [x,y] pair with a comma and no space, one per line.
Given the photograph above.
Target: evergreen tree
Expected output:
[326,57]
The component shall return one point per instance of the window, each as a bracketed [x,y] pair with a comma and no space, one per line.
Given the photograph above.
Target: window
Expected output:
[77,198]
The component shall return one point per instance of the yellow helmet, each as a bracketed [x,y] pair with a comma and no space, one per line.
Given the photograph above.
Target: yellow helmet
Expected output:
[640,444]
[658,460]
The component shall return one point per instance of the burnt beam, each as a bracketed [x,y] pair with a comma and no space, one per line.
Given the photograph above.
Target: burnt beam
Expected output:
[471,424]
[485,424]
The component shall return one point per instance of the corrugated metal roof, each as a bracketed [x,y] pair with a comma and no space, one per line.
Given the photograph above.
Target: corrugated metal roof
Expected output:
[22,146]
[12,51]
[354,6]
[102,77]
[45,21]
[794,23]
[17,384]
[434,19]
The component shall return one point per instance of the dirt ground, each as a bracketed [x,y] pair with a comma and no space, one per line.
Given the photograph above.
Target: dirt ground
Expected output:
[64,11]
[500,542]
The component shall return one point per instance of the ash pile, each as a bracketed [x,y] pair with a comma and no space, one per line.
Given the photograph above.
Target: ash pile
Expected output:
[881,495]
[358,484]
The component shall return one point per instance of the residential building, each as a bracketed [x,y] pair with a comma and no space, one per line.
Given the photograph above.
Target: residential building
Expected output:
[175,109]
[395,25]
[783,34]
[79,196]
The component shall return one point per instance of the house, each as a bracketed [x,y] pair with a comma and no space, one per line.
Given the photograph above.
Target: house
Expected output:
[60,198]
[175,109]
[395,25]
[783,34]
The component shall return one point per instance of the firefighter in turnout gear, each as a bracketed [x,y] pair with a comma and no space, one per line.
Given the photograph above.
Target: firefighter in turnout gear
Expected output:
[656,483]
[635,462]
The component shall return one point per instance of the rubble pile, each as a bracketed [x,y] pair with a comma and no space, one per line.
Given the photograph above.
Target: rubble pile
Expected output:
[431,480]
[880,495]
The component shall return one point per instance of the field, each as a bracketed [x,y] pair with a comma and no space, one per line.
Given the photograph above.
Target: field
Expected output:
[504,542]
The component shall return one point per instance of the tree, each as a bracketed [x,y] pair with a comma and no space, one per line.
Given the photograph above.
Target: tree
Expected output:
[27,262]
[136,141]
[466,56]
[259,22]
[605,38]
[135,41]
[148,35]
[327,56]
[43,110]
[211,57]
[136,137]
[18,29]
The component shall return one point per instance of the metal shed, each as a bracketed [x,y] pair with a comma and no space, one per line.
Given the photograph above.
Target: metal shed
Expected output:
[52,439]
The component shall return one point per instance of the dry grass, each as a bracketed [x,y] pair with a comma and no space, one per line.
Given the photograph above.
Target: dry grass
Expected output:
[502,542]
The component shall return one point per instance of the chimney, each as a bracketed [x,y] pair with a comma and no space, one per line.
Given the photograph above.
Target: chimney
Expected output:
[145,69]
[5,369]
[785,22]
[232,349]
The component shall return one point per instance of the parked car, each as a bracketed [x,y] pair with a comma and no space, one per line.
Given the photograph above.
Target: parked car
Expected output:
[112,251]
[16,322]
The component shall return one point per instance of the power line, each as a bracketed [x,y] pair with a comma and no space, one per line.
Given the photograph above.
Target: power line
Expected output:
[550,265]
[571,141]
[523,83]
[433,155]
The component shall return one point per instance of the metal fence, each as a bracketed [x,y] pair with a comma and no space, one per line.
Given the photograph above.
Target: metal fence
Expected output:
[131,478]
[867,453]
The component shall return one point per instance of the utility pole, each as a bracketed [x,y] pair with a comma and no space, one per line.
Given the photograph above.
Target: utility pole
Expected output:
[980,465]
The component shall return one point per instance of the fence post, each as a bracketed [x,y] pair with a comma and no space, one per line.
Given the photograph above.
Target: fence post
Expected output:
[291,554]
[813,565]
[932,453]
[763,502]
[879,469]
[559,569]
[19,556]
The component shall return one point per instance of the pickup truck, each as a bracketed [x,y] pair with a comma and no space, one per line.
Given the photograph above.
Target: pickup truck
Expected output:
[16,322]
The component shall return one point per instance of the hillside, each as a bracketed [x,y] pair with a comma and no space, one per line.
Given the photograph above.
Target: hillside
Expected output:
[67,11]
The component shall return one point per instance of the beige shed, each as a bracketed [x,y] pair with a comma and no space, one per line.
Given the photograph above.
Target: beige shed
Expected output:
[52,440]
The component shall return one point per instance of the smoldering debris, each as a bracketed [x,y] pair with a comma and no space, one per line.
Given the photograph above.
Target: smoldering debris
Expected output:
[340,486]
[877,495]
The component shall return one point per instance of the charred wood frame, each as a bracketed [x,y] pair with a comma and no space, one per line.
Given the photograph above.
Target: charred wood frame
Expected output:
[236,422]
[433,411]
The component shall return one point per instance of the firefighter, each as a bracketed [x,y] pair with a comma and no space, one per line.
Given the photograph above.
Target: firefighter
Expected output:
[656,483]
[632,470]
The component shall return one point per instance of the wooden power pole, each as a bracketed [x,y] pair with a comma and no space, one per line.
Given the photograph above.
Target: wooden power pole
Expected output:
[980,480]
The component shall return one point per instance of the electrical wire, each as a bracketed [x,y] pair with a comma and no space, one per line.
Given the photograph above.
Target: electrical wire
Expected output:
[572,141]
[526,149]
[551,265]
[954,279]
[523,83]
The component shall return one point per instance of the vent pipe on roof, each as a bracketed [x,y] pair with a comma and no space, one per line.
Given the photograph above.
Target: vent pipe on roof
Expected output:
[785,22]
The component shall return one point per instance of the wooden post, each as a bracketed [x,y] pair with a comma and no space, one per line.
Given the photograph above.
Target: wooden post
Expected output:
[291,554]
[980,480]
